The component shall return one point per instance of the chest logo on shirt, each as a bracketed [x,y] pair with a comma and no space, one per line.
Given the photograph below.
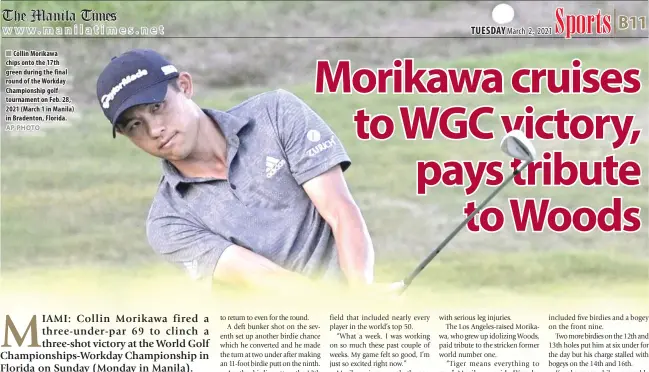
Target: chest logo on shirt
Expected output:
[315,150]
[273,165]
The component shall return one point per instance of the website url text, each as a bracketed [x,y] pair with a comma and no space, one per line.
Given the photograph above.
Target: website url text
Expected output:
[79,29]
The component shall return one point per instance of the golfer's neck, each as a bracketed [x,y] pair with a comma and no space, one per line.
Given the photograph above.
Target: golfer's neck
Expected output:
[211,144]
[209,156]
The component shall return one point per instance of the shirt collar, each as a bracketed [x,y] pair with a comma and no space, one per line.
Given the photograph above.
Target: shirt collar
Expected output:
[230,125]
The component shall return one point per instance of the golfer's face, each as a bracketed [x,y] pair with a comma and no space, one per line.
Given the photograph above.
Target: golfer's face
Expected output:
[166,129]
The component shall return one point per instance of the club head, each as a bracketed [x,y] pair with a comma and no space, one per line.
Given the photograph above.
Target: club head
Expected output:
[516,145]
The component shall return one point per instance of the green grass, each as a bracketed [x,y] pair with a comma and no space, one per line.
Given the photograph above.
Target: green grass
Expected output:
[522,273]
[78,197]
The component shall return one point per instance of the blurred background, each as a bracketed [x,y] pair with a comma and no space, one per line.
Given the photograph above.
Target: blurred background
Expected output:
[72,196]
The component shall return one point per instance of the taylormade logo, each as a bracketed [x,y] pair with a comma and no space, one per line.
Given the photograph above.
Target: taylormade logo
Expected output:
[106,98]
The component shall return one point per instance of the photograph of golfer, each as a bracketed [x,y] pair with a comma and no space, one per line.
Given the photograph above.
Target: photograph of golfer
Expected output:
[249,194]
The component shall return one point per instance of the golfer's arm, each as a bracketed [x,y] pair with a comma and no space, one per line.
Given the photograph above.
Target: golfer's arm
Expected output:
[332,198]
[242,266]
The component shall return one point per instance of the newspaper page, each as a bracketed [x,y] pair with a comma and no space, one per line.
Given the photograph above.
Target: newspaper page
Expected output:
[311,186]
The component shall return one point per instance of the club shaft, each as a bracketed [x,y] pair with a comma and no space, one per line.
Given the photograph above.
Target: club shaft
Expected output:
[408,280]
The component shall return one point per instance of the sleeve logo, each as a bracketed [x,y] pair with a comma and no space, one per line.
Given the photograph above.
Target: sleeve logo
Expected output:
[315,150]
[313,135]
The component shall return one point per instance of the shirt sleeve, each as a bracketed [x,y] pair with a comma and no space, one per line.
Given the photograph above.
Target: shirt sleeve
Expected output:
[193,249]
[310,145]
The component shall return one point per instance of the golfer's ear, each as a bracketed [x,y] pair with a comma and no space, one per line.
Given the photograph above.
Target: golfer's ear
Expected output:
[185,84]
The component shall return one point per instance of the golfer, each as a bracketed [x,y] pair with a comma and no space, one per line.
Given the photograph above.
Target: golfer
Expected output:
[251,194]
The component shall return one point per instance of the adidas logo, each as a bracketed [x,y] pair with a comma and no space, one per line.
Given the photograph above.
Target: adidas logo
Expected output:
[273,165]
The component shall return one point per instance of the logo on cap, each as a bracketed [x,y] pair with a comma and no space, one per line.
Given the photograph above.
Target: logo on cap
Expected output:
[107,98]
[168,69]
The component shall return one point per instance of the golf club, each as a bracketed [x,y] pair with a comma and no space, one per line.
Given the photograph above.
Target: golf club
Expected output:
[514,144]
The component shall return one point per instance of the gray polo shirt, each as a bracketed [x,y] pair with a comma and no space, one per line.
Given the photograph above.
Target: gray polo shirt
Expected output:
[275,143]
